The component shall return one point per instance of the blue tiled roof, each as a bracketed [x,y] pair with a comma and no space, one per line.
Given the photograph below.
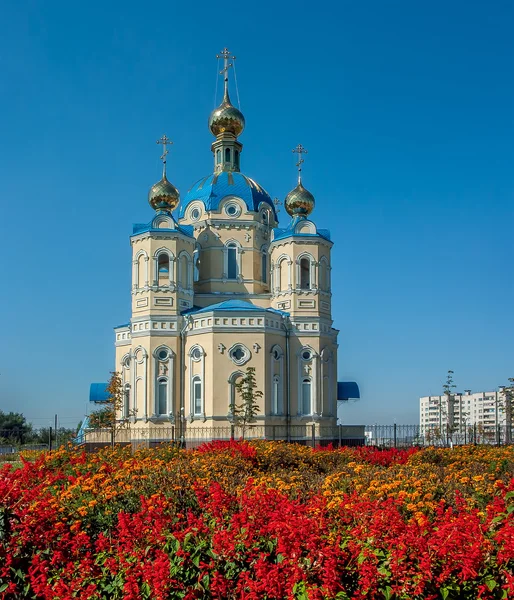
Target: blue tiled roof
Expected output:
[234,305]
[143,227]
[290,231]
[212,189]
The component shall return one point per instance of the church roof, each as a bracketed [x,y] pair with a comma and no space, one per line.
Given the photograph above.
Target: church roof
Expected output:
[212,189]
[235,306]
[300,227]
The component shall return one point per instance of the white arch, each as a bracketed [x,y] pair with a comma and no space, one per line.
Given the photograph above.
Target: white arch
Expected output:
[232,390]
[171,256]
[280,272]
[312,274]
[137,269]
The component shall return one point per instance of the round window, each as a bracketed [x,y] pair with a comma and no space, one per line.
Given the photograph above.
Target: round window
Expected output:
[239,354]
[232,210]
[276,354]
[196,354]
[195,214]
[126,362]
[162,354]
[306,355]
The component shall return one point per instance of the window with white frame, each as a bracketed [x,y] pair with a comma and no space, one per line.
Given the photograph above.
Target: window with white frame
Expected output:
[162,396]
[232,266]
[163,269]
[306,396]
[196,395]
[305,273]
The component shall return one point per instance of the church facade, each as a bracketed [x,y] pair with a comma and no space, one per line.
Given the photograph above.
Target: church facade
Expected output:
[218,286]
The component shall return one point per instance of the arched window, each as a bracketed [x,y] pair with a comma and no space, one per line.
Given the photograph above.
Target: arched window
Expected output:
[140,271]
[284,274]
[196,395]
[162,396]
[236,159]
[218,157]
[264,265]
[184,275]
[306,408]
[324,283]
[227,155]
[232,399]
[305,274]
[126,400]
[275,395]
[232,261]
[196,264]
[163,268]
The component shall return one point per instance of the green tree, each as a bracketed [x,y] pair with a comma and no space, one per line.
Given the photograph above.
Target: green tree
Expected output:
[114,415]
[506,401]
[245,413]
[14,428]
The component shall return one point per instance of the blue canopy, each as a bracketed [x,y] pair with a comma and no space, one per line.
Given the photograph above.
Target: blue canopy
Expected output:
[347,390]
[98,392]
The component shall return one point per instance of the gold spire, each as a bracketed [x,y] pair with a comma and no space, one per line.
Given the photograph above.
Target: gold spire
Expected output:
[299,202]
[164,195]
[226,118]
[225,55]
[165,141]
[299,150]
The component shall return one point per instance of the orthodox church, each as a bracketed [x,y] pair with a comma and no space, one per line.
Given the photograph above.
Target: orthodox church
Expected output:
[219,286]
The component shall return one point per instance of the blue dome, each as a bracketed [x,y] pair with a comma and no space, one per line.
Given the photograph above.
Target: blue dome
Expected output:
[212,189]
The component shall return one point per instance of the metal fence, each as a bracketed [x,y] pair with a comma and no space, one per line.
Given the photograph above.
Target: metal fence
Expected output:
[191,437]
[406,436]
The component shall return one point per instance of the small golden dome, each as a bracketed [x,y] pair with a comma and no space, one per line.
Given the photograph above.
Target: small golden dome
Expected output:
[163,195]
[299,202]
[226,118]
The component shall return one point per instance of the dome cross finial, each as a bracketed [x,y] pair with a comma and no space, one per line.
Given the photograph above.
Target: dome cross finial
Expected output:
[300,150]
[165,141]
[225,55]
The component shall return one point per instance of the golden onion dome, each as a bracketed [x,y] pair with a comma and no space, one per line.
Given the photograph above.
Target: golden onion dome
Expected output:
[226,118]
[163,195]
[299,202]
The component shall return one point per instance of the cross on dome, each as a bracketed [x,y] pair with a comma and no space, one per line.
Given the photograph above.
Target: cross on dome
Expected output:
[165,141]
[300,150]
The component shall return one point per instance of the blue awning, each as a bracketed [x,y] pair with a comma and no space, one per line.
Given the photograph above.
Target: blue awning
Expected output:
[98,392]
[348,390]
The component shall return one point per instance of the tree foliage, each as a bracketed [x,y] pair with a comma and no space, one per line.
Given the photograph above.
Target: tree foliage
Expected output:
[113,414]
[245,413]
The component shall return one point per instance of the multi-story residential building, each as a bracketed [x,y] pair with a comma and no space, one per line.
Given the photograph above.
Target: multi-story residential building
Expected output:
[482,410]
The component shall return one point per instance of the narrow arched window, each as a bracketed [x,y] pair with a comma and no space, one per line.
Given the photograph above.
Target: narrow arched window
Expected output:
[236,159]
[275,393]
[283,275]
[227,155]
[184,275]
[196,264]
[126,400]
[305,274]
[264,266]
[163,268]
[218,157]
[196,390]
[306,396]
[162,397]
[232,261]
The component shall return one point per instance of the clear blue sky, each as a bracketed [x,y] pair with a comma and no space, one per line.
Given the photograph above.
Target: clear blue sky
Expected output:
[406,109]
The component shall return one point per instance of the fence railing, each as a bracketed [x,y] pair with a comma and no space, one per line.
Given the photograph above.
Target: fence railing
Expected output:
[385,436]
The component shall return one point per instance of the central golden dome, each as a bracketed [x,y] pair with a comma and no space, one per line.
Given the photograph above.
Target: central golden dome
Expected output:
[226,118]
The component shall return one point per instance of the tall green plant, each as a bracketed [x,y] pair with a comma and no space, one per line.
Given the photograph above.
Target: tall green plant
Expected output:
[245,413]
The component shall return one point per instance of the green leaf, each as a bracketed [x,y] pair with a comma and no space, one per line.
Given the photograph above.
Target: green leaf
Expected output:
[4,587]
[444,593]
[490,583]
[388,593]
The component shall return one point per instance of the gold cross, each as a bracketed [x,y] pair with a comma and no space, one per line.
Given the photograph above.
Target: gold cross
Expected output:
[225,55]
[165,141]
[299,150]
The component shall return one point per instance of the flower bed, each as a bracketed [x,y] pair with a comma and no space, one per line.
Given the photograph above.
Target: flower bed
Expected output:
[259,520]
